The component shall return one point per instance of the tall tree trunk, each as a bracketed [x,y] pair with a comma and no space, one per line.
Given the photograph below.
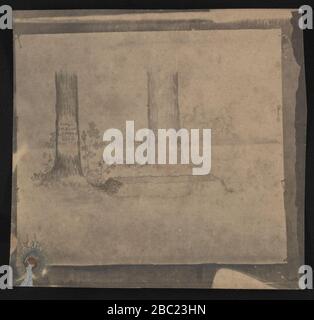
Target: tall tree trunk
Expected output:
[67,158]
[163,104]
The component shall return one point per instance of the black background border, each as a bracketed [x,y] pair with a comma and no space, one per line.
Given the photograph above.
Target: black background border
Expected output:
[6,126]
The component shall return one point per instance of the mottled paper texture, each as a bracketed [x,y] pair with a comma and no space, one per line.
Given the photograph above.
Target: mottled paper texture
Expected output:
[228,80]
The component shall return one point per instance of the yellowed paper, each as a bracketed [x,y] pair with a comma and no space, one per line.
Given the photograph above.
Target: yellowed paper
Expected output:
[230,80]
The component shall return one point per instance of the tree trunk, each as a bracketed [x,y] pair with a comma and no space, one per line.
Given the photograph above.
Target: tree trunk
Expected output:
[163,104]
[67,158]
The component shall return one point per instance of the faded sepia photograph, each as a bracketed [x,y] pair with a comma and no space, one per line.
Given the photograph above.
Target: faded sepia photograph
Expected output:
[78,221]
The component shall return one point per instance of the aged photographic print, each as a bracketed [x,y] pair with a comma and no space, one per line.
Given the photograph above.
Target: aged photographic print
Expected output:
[99,208]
